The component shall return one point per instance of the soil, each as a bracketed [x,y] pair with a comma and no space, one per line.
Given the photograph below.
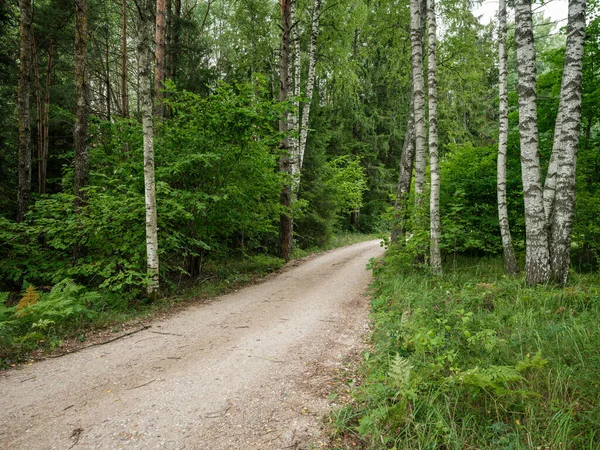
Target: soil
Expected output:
[252,370]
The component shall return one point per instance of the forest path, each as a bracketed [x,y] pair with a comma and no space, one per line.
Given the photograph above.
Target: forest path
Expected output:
[247,371]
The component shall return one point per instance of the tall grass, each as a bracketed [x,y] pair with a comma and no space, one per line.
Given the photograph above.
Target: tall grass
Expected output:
[477,360]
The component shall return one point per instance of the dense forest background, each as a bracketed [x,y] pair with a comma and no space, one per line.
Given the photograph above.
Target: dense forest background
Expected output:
[226,137]
[217,135]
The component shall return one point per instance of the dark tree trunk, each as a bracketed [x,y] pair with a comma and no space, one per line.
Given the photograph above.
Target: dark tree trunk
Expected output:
[124,93]
[159,68]
[25,53]
[176,39]
[80,132]
[286,222]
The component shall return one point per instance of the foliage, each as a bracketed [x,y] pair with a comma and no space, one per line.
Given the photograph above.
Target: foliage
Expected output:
[468,199]
[474,359]
[45,318]
[216,181]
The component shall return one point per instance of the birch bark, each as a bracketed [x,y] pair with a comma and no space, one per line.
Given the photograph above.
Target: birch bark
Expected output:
[417,14]
[144,48]
[294,68]
[566,157]
[403,189]
[25,46]
[537,265]
[434,199]
[510,260]
[80,132]
[310,81]
[416,36]
[550,182]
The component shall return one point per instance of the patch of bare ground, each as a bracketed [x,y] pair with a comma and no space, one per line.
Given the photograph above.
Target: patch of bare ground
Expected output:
[251,370]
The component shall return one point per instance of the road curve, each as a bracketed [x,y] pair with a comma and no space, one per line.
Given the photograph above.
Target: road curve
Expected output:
[247,371]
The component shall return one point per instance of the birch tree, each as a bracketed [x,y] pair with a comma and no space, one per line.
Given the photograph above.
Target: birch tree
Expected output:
[510,260]
[80,132]
[417,16]
[294,77]
[416,38]
[25,45]
[537,265]
[566,155]
[434,204]
[404,179]
[144,49]
[310,81]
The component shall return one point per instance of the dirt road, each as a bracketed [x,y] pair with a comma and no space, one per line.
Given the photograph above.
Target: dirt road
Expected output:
[247,371]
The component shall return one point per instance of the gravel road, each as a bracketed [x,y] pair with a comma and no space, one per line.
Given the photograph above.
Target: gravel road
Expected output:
[249,370]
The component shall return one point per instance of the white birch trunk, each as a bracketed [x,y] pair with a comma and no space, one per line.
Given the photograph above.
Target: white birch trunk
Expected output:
[310,81]
[566,157]
[404,179]
[295,81]
[416,37]
[510,260]
[550,183]
[537,265]
[434,199]
[145,58]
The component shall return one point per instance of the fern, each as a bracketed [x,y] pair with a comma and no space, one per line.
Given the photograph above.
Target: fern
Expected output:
[30,298]
[536,362]
[494,379]
[399,372]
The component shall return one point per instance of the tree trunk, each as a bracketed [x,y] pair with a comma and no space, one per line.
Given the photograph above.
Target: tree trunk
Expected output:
[107,80]
[176,40]
[124,92]
[537,266]
[404,180]
[286,223]
[168,40]
[159,68]
[294,68]
[25,47]
[310,81]
[434,203]
[43,163]
[39,113]
[144,47]
[566,158]
[80,132]
[416,36]
[550,182]
[510,260]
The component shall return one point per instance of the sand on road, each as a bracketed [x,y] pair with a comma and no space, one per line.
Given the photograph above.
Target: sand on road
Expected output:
[249,370]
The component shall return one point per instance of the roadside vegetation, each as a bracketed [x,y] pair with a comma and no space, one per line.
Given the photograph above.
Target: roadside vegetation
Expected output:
[477,359]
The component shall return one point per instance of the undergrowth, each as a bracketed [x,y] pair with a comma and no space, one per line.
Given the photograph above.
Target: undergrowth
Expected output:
[477,360]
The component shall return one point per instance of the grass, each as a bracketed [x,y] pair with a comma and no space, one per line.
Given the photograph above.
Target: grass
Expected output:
[70,312]
[477,360]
